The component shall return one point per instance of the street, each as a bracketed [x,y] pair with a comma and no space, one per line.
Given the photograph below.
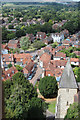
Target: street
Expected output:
[37,75]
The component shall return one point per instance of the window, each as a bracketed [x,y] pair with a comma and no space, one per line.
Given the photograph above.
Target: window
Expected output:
[67,103]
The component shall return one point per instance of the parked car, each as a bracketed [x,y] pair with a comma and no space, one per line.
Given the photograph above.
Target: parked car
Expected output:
[30,77]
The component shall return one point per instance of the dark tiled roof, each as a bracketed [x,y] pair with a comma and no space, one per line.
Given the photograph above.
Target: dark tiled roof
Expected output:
[67,79]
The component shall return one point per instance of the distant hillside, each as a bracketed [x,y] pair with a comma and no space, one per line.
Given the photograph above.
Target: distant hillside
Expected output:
[36,0]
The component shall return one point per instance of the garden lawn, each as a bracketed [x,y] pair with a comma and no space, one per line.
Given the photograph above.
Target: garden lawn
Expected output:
[51,106]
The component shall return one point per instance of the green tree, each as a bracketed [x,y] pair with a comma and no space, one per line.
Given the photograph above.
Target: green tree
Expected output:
[38,44]
[10,19]
[39,107]
[73,112]
[17,93]
[55,44]
[48,87]
[24,43]
[76,71]
[20,33]
[16,50]
[19,68]
[10,36]
[9,65]
[10,26]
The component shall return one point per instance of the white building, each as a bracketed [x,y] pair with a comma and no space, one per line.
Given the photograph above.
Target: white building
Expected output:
[57,37]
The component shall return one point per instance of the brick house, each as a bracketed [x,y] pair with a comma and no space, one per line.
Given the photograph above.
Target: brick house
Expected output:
[9,73]
[47,40]
[4,49]
[14,44]
[41,35]
[44,60]
[29,68]
[21,59]
[59,56]
[31,37]
[6,60]
[65,32]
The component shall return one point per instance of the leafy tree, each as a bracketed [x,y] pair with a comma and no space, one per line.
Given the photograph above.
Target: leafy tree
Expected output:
[9,65]
[73,55]
[4,33]
[38,44]
[73,112]
[76,71]
[16,50]
[39,107]
[54,44]
[20,33]
[19,68]
[47,28]
[10,19]
[48,87]
[10,36]
[10,26]
[17,94]
[24,43]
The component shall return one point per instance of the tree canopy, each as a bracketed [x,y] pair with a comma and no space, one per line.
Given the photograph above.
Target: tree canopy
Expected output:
[24,43]
[19,96]
[73,112]
[77,73]
[48,87]
[38,44]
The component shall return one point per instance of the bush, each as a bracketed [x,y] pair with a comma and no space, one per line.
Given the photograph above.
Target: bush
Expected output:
[48,87]
[38,44]
[19,68]
[73,112]
[9,65]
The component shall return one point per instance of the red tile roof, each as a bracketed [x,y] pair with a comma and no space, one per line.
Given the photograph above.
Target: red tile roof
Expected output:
[45,57]
[60,54]
[9,73]
[7,57]
[29,66]
[25,71]
[74,59]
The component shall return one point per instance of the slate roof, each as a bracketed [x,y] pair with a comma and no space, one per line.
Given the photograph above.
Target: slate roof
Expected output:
[67,79]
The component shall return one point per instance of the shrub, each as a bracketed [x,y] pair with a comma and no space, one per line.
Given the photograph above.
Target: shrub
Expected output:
[48,87]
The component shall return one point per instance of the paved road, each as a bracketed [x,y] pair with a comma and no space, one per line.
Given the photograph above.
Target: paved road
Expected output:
[37,75]
[49,115]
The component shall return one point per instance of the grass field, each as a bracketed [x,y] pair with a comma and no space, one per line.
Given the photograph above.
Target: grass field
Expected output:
[52,106]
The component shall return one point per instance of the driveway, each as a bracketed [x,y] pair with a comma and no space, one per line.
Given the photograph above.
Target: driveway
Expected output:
[37,75]
[49,115]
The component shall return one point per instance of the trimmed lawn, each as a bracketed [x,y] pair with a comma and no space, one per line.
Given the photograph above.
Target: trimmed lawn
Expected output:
[51,106]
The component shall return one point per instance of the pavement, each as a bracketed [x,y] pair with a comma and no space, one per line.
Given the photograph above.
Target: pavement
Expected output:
[37,75]
[49,115]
